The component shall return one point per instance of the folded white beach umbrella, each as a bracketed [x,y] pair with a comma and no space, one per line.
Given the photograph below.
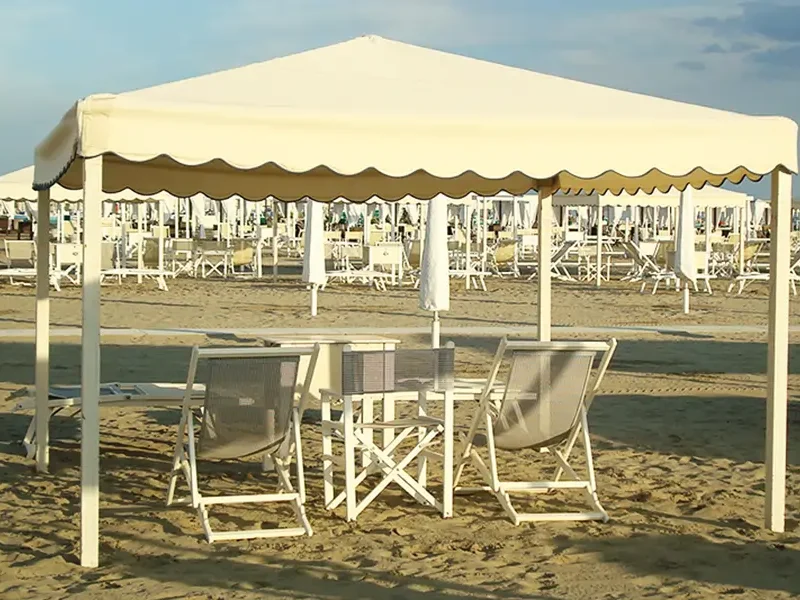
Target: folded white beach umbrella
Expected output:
[314,251]
[434,284]
[684,245]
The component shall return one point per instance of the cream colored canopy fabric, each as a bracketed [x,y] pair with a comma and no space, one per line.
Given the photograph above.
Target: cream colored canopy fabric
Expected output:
[372,116]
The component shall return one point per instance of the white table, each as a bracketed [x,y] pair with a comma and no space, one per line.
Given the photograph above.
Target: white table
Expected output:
[328,373]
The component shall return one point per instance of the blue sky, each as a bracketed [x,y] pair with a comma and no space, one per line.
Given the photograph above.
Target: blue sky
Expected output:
[731,54]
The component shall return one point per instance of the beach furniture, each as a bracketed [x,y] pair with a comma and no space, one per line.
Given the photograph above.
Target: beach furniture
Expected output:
[557,267]
[248,410]
[20,261]
[548,390]
[182,257]
[68,398]
[503,258]
[213,257]
[414,377]
[753,272]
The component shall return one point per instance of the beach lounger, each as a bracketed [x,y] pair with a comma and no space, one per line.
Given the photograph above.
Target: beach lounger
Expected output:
[548,391]
[68,398]
[376,279]
[249,410]
[753,274]
[557,267]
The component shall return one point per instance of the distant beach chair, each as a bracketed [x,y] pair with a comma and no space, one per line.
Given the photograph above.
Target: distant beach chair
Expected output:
[20,261]
[249,410]
[557,267]
[548,391]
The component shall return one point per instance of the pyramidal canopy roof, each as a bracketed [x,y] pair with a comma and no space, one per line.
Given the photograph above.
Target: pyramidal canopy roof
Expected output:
[372,116]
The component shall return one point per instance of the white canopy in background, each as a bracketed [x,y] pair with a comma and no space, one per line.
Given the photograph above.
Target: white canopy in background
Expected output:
[376,117]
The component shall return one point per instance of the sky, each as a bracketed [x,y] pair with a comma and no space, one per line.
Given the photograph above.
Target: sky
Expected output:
[730,54]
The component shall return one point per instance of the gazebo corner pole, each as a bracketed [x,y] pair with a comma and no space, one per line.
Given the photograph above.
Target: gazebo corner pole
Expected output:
[599,249]
[90,362]
[42,369]
[274,240]
[778,349]
[160,207]
[545,233]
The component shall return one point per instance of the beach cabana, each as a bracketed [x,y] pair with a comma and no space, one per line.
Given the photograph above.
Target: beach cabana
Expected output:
[372,116]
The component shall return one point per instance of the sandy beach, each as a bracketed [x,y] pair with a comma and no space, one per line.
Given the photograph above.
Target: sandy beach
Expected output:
[678,435]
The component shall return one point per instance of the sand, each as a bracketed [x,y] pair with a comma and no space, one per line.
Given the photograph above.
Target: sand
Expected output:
[679,448]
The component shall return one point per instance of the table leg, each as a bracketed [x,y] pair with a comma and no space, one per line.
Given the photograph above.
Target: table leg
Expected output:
[448,450]
[422,465]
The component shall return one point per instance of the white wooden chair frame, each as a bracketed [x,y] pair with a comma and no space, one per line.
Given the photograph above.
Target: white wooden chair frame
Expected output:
[489,409]
[355,429]
[185,457]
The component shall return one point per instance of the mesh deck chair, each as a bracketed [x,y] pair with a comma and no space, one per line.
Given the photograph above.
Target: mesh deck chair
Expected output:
[389,375]
[248,410]
[548,391]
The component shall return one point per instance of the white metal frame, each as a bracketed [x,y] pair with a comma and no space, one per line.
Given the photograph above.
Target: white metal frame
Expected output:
[565,477]
[185,458]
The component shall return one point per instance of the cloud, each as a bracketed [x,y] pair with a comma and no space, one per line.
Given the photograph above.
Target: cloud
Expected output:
[783,58]
[741,46]
[714,49]
[691,65]
[775,21]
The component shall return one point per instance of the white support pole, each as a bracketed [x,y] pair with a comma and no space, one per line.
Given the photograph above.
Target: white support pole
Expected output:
[42,369]
[274,240]
[545,250]
[90,362]
[599,251]
[485,230]
[314,292]
[778,349]
[514,217]
[160,208]
[141,209]
[468,247]
[436,330]
[686,297]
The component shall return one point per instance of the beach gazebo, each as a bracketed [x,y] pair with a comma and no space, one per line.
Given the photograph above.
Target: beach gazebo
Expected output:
[373,116]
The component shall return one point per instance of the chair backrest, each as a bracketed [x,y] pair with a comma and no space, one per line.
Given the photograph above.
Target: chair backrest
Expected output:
[68,254]
[150,253]
[546,388]
[559,254]
[20,253]
[107,252]
[249,398]
[505,251]
[380,371]
[183,245]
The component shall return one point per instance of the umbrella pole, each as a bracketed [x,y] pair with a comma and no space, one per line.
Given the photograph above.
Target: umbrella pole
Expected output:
[686,297]
[314,289]
[435,330]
